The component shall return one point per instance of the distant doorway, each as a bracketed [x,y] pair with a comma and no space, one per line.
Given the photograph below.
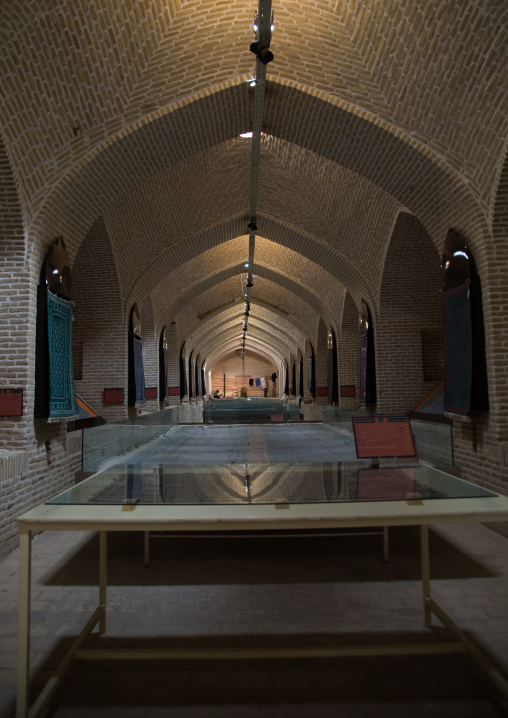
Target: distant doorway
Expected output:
[333,379]
[366,359]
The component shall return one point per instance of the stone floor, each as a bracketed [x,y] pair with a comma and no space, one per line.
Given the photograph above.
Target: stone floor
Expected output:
[263,591]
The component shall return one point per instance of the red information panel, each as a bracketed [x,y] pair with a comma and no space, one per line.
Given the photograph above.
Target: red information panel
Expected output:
[173,391]
[347,390]
[386,484]
[151,392]
[11,402]
[113,396]
[380,437]
[322,391]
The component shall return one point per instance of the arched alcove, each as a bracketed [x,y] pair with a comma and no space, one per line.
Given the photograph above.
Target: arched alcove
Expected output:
[191,376]
[300,375]
[321,363]
[333,382]
[183,373]
[136,381]
[55,393]
[310,370]
[367,382]
[408,322]
[99,324]
[163,364]
[197,378]
[465,375]
[348,355]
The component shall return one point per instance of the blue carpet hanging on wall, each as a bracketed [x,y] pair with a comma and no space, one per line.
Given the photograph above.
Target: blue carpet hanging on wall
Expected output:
[458,349]
[62,392]
[139,373]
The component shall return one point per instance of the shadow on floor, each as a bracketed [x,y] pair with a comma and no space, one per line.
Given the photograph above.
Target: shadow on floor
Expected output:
[431,684]
[181,560]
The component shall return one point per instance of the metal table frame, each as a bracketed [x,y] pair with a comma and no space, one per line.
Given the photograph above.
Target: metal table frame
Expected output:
[261,517]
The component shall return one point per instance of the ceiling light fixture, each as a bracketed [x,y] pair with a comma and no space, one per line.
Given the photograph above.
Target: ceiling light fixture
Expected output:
[261,44]
[255,26]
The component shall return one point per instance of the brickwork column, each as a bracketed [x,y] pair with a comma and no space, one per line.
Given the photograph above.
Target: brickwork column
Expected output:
[173,367]
[322,364]
[347,355]
[307,396]
[292,372]
[184,366]
[150,356]
[300,378]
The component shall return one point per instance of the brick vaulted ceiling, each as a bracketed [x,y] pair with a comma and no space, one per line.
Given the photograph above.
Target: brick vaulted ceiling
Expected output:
[131,111]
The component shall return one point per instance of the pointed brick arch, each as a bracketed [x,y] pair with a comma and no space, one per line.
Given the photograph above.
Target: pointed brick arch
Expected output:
[389,159]
[282,267]
[223,331]
[161,40]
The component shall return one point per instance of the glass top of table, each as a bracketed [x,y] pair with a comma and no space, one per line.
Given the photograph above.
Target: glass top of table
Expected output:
[299,483]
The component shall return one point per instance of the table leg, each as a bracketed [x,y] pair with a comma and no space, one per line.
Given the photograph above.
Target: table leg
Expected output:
[25,574]
[147,548]
[424,544]
[103,577]
[386,544]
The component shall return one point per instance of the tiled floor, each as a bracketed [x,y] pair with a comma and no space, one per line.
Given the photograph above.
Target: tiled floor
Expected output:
[268,591]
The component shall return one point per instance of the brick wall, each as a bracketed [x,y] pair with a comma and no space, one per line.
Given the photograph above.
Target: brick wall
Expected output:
[322,362]
[150,355]
[14,305]
[36,459]
[347,353]
[173,369]
[100,324]
[410,301]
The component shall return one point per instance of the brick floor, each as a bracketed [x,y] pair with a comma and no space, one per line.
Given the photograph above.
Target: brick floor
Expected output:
[262,591]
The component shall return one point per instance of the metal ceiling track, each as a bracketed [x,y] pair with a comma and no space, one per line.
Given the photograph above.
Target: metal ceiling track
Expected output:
[261,48]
